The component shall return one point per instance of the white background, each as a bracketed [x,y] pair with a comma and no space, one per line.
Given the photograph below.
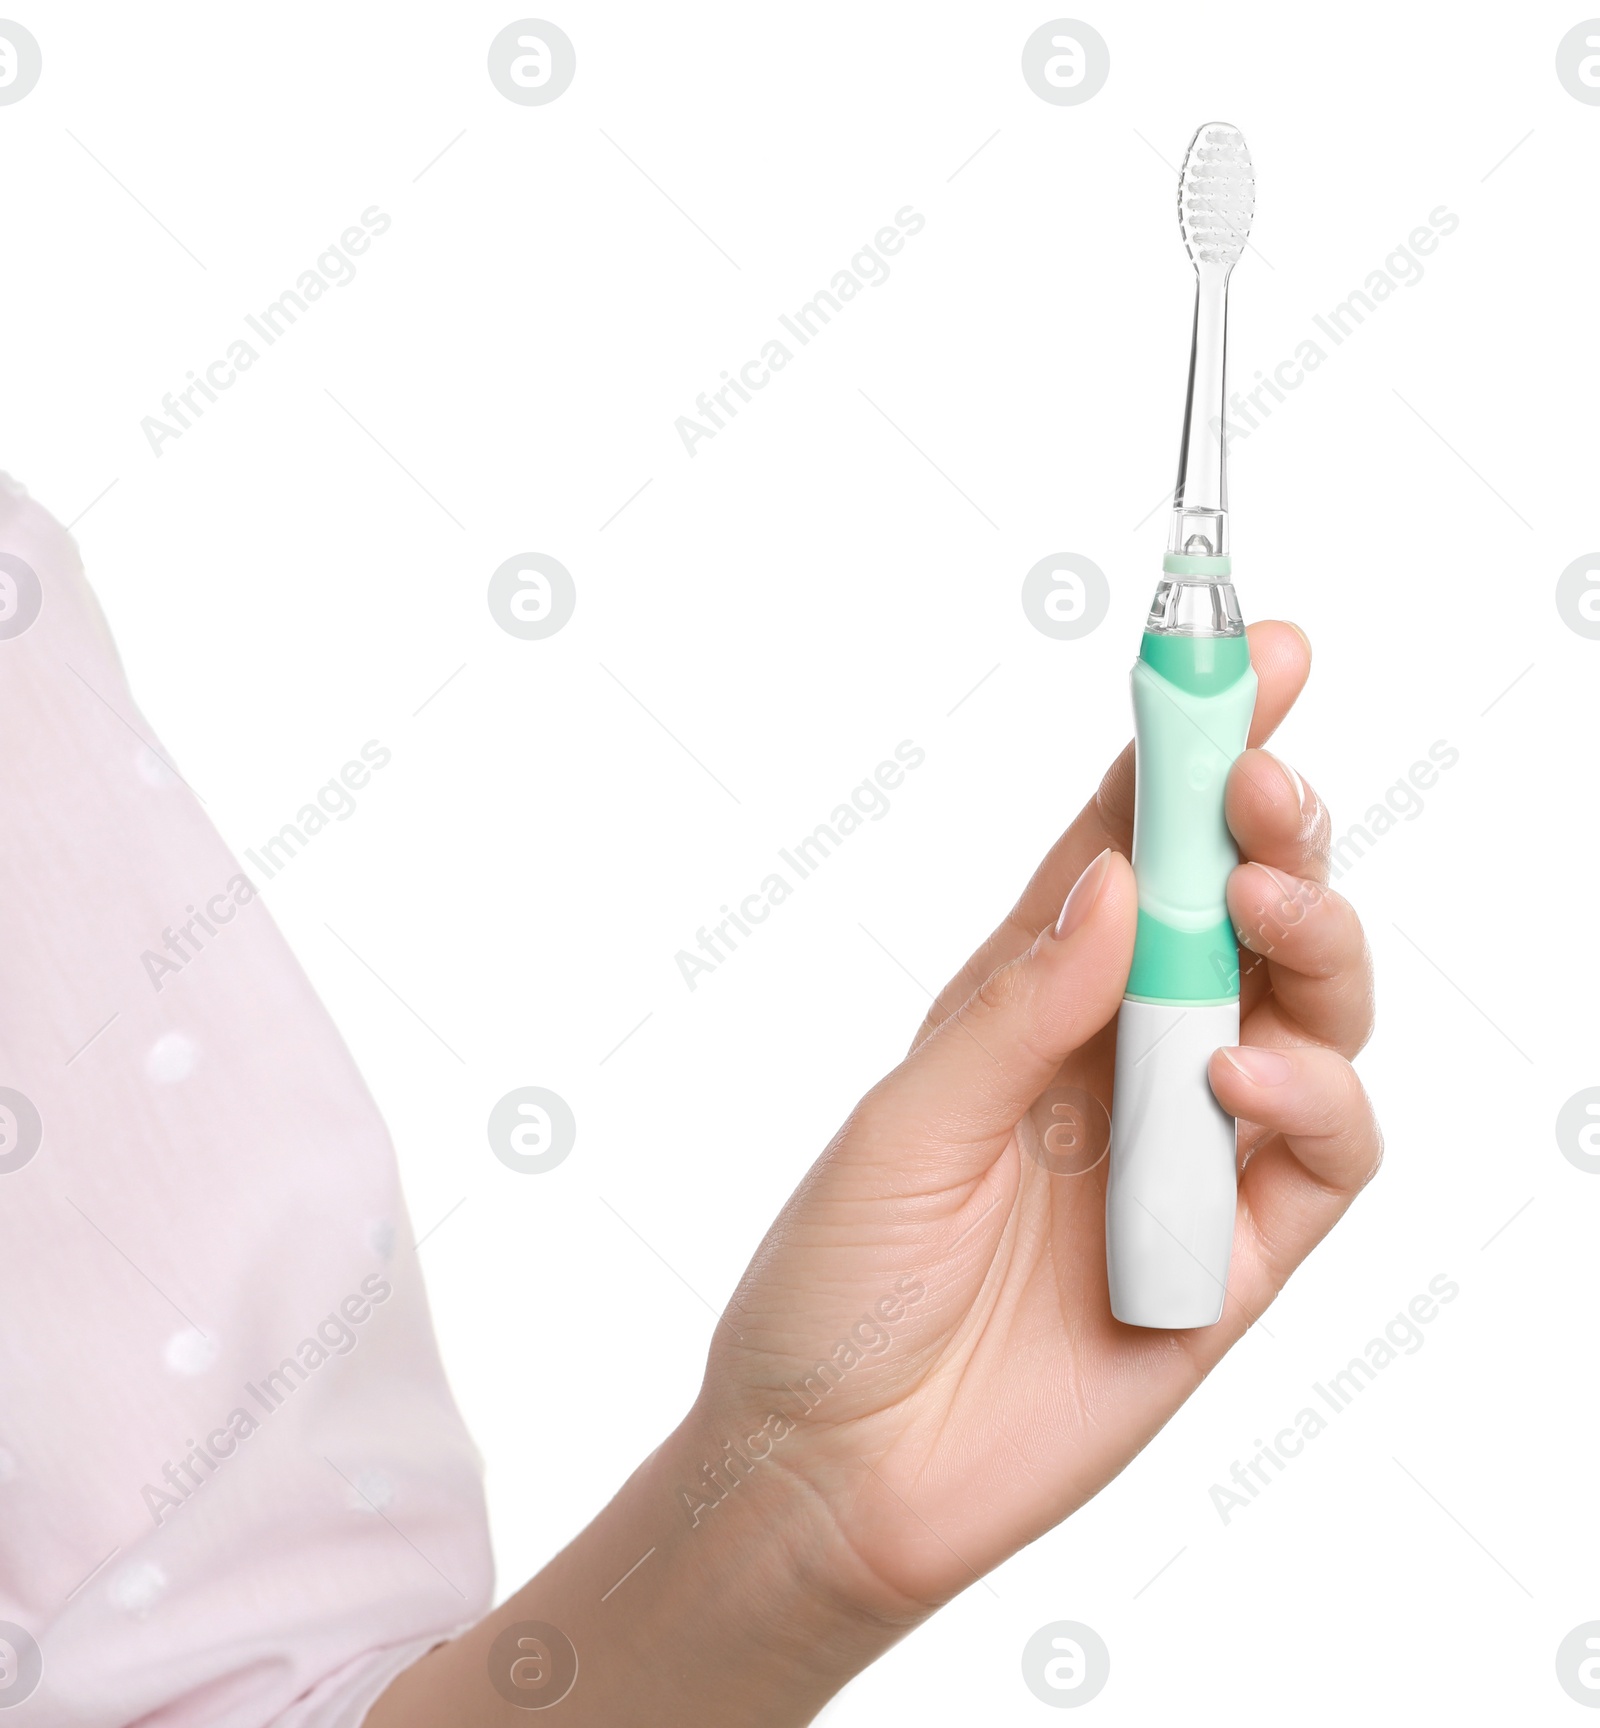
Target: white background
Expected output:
[804,593]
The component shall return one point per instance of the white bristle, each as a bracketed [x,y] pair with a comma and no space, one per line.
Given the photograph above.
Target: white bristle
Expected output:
[1216,195]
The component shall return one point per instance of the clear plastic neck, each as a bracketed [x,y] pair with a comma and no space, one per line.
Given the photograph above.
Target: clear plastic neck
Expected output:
[1200,499]
[1195,606]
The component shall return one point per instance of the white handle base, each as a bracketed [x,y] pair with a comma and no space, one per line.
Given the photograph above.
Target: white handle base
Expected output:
[1173,1186]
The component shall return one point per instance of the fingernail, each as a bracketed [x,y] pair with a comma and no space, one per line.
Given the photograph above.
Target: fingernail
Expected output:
[1297,786]
[1263,1067]
[1301,634]
[1085,891]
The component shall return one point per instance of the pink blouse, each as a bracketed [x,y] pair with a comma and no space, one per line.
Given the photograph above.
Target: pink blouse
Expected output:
[234,1488]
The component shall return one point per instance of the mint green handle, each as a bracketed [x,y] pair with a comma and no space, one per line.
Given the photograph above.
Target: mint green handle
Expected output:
[1192,701]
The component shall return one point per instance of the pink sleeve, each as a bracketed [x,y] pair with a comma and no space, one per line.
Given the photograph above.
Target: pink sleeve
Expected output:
[234,1487]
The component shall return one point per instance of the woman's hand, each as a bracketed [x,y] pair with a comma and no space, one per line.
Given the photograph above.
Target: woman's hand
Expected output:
[919,1372]
[937,1295]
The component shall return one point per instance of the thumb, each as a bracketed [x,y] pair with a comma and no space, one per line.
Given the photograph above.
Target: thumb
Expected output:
[971,1081]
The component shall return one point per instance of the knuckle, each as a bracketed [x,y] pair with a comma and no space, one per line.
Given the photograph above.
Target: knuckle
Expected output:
[873,1123]
[1284,916]
[999,994]
[1113,798]
[1316,836]
[1376,1163]
[1002,1015]
[1356,1119]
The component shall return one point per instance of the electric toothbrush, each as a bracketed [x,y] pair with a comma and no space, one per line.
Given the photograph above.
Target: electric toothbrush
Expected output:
[1173,1188]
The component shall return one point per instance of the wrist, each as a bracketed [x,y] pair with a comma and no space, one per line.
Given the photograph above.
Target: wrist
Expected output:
[713,1588]
[751,1533]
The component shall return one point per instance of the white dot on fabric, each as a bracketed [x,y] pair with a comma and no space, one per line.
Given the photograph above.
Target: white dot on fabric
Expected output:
[189,1352]
[373,1492]
[136,1586]
[380,1233]
[171,1058]
[154,770]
